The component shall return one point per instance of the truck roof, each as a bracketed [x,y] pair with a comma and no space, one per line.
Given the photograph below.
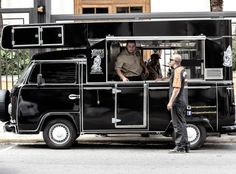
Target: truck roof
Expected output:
[61,55]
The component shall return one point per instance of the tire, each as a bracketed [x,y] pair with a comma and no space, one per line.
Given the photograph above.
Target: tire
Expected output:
[4,102]
[59,134]
[196,135]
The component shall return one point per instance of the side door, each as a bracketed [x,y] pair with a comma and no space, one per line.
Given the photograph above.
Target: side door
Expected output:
[130,105]
[57,95]
[158,97]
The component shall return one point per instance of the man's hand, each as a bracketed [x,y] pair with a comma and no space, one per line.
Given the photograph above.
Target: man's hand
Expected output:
[169,106]
[124,79]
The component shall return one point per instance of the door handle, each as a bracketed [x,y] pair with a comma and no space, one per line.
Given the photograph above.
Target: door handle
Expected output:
[73,96]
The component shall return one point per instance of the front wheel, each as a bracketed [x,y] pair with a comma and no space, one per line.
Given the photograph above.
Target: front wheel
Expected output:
[59,134]
[196,135]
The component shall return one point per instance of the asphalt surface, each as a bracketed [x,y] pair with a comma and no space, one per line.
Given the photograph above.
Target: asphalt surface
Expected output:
[116,158]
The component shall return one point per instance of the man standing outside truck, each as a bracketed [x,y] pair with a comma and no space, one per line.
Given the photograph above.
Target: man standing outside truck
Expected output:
[177,104]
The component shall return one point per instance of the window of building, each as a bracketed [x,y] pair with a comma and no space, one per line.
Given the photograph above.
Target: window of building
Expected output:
[122,9]
[97,10]
[137,9]
[101,10]
[88,10]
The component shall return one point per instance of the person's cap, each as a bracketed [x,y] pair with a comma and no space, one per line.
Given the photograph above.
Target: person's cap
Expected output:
[156,56]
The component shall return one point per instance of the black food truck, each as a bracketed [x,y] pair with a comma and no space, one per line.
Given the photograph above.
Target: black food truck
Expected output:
[74,89]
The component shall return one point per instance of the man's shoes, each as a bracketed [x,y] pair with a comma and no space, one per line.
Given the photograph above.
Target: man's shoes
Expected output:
[178,150]
[187,148]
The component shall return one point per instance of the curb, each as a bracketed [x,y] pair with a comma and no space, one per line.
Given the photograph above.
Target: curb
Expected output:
[7,137]
[130,139]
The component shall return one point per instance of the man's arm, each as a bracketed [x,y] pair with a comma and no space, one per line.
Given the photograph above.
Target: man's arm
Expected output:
[175,93]
[145,67]
[121,75]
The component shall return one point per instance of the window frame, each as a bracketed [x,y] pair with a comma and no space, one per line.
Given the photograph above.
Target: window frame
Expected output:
[40,63]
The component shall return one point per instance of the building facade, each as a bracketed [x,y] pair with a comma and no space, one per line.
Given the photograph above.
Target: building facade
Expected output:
[111,6]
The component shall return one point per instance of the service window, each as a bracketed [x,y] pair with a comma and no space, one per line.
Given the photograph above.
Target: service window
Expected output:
[54,73]
[156,53]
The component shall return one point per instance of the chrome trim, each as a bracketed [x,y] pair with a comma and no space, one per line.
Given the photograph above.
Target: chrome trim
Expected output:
[52,26]
[204,112]
[73,96]
[154,88]
[117,131]
[145,87]
[81,92]
[115,108]
[26,45]
[200,107]
[198,87]
[229,88]
[93,88]
[114,120]
[130,126]
[115,82]
[120,38]
[217,109]
[78,60]
[145,91]
[203,65]
[213,75]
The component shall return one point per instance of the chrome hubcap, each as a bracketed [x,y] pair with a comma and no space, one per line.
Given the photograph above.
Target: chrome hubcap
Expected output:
[59,133]
[193,133]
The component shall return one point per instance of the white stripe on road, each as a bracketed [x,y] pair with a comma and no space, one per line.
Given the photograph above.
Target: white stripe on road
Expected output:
[6,149]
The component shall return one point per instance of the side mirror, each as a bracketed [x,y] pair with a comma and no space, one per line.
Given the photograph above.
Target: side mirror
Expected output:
[39,79]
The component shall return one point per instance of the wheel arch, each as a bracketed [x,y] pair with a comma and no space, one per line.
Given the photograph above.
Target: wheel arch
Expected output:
[196,120]
[51,116]
[205,122]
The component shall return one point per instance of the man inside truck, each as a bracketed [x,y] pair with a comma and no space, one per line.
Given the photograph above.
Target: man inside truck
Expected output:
[129,65]
[153,65]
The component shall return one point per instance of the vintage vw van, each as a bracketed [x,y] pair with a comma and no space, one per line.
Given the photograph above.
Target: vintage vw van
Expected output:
[65,93]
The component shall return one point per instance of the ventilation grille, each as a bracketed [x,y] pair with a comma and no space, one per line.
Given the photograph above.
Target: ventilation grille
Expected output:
[213,73]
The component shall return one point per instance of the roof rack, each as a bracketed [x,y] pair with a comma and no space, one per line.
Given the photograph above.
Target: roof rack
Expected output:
[144,16]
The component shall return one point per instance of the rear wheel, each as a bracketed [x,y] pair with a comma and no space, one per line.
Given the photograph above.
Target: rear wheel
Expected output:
[196,135]
[59,134]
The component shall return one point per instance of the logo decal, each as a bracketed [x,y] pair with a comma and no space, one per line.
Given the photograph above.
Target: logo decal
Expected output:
[228,57]
[97,56]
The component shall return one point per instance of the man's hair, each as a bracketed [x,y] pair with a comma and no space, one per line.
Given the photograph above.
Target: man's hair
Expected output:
[130,41]
[177,58]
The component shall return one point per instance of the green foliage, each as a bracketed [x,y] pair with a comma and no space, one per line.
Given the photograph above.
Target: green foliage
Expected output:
[13,62]
[234,52]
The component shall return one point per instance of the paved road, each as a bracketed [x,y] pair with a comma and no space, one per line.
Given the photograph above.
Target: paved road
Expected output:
[116,158]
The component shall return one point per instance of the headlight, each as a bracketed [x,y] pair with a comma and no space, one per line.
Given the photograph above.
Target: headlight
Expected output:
[10,109]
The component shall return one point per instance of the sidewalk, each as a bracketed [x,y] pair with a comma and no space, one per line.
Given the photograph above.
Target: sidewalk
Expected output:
[6,137]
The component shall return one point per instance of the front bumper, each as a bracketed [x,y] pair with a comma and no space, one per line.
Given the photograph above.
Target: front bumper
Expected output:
[10,127]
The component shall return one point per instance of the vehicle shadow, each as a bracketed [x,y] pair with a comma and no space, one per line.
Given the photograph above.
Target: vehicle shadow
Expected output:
[105,145]
[131,145]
